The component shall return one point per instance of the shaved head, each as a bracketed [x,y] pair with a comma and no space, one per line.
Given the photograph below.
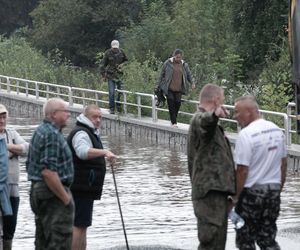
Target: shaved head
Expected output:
[249,102]
[209,92]
[246,110]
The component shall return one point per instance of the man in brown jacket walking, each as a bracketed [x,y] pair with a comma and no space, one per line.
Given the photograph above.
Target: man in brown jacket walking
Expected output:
[211,168]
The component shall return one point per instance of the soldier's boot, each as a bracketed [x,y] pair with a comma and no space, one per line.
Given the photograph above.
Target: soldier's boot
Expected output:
[7,244]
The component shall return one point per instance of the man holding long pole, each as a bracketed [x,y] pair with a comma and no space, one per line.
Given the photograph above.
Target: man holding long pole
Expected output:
[89,170]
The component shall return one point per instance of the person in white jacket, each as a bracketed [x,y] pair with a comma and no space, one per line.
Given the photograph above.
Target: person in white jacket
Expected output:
[16,146]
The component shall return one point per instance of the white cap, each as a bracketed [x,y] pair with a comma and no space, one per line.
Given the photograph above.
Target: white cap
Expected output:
[115,44]
[3,109]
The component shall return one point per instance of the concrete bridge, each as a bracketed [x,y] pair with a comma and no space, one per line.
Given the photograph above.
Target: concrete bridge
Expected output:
[25,98]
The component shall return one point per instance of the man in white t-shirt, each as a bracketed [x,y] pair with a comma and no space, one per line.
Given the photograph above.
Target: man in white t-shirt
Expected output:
[260,156]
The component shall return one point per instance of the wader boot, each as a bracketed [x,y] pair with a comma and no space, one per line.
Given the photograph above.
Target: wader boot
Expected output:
[7,244]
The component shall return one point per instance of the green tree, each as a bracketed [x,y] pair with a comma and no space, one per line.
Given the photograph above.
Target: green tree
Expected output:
[19,59]
[80,28]
[277,88]
[201,28]
[15,14]
[154,34]
[258,25]
[203,31]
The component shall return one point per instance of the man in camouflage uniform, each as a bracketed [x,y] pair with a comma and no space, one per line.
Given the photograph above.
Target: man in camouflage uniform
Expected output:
[260,155]
[211,169]
[50,170]
[111,70]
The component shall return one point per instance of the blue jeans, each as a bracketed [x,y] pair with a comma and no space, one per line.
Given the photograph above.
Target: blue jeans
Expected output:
[112,85]
[10,221]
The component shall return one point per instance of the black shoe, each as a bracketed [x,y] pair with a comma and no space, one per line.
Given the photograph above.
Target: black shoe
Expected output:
[119,109]
[111,111]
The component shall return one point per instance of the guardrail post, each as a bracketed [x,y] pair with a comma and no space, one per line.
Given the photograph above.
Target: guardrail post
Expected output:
[83,96]
[154,111]
[47,92]
[18,86]
[70,97]
[36,90]
[286,129]
[139,106]
[125,102]
[97,98]
[8,84]
[289,134]
[26,88]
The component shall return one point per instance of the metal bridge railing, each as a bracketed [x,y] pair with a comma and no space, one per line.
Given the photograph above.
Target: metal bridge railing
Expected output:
[74,95]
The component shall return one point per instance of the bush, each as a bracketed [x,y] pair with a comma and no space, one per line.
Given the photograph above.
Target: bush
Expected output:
[19,59]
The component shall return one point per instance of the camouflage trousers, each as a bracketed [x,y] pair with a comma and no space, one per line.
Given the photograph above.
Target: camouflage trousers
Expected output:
[260,210]
[53,220]
[211,213]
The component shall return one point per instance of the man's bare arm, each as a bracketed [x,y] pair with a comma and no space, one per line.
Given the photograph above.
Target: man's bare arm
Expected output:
[53,182]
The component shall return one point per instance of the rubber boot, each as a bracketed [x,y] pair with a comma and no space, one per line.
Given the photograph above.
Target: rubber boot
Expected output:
[7,244]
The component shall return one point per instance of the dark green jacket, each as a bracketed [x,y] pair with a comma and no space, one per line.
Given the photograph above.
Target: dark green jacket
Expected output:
[210,161]
[110,64]
[167,73]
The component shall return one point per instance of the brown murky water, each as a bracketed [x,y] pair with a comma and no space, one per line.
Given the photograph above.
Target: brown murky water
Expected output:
[154,190]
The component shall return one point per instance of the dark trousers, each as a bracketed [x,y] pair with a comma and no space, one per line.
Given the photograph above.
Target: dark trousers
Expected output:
[10,222]
[112,86]
[174,103]
[212,216]
[260,210]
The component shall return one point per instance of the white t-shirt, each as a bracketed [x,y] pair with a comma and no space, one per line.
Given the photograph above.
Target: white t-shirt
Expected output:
[261,146]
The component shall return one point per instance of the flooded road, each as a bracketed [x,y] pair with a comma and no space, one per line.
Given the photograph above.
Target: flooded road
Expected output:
[154,190]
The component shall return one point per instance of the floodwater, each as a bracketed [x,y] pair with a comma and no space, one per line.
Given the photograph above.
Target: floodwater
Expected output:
[154,191]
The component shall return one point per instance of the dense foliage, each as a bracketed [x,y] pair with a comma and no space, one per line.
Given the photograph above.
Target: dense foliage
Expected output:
[258,25]
[15,14]
[80,28]
[19,59]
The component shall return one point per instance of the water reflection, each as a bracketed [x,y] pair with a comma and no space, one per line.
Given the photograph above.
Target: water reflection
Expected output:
[154,189]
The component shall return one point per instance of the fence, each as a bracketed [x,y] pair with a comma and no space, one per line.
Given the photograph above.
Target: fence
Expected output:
[73,95]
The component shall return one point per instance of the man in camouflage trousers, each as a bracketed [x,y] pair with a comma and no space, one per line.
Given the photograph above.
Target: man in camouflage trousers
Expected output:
[50,170]
[211,169]
[260,155]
